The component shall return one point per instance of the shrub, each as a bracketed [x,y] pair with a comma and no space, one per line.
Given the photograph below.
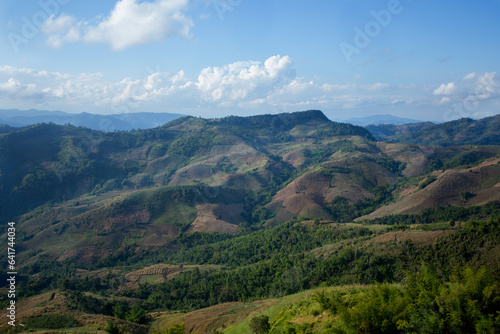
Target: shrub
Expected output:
[52,321]
[428,181]
[260,324]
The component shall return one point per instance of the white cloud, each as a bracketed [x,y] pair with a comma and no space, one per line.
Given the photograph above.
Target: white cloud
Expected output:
[334,87]
[130,23]
[477,94]
[242,80]
[61,30]
[400,102]
[13,88]
[56,25]
[245,87]
[484,86]
[470,76]
[377,86]
[215,86]
[444,100]
[445,89]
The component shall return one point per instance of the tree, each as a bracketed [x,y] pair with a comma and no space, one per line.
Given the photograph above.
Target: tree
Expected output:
[136,314]
[260,324]
[120,310]
[466,195]
[112,328]
[176,329]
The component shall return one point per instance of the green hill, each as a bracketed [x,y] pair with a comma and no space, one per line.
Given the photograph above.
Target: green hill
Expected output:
[465,131]
[203,212]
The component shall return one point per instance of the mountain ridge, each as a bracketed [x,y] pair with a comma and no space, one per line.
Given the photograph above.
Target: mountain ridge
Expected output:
[119,226]
[107,123]
[379,119]
[173,178]
[463,131]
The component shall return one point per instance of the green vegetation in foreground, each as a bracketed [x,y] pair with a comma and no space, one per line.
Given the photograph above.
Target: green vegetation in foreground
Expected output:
[299,256]
[466,303]
[284,260]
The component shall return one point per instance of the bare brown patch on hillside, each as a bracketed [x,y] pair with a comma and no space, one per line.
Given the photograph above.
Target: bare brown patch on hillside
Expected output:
[490,162]
[189,174]
[220,218]
[414,157]
[85,255]
[158,273]
[423,237]
[241,158]
[312,191]
[55,303]
[211,225]
[446,190]
[159,235]
[241,181]
[295,158]
[133,216]
[365,148]
[303,194]
[215,318]
[154,274]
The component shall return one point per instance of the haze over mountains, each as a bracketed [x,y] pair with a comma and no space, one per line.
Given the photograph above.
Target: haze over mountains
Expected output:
[143,120]
[485,131]
[106,123]
[383,127]
[377,120]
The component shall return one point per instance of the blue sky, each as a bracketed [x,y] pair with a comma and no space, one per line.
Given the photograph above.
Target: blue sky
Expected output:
[422,59]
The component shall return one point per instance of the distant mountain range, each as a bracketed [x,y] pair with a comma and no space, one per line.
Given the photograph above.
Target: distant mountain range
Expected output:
[465,131]
[106,123]
[378,119]
[387,128]
[143,120]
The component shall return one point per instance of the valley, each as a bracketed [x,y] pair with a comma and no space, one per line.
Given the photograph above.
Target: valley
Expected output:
[210,223]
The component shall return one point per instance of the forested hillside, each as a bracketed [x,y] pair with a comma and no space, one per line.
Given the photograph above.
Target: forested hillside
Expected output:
[113,229]
[465,131]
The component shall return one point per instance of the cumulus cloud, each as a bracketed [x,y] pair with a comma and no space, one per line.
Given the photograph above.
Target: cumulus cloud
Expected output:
[227,85]
[14,88]
[377,86]
[242,80]
[470,76]
[476,95]
[240,87]
[445,89]
[476,86]
[444,100]
[130,23]
[61,30]
[483,85]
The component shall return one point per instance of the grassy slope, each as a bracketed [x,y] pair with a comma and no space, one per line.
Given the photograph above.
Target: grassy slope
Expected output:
[422,244]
